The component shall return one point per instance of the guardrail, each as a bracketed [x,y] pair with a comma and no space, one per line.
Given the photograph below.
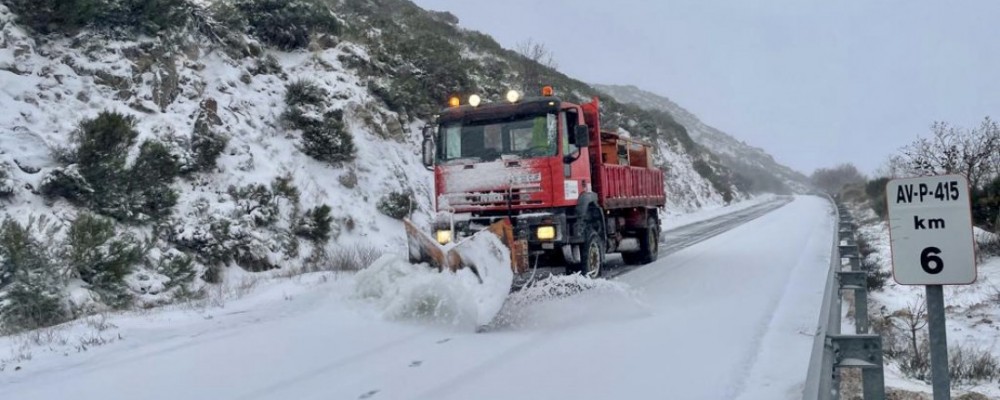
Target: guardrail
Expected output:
[832,350]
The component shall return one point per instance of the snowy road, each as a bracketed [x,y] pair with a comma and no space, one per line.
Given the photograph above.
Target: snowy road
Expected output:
[729,317]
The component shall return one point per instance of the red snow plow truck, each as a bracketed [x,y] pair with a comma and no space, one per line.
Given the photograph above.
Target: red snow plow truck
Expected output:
[541,175]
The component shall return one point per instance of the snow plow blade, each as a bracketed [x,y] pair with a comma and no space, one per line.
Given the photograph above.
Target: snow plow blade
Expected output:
[422,248]
[490,254]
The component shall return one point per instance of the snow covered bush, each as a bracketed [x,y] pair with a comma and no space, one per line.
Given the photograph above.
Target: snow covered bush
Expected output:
[285,24]
[396,204]
[139,193]
[177,266]
[207,145]
[68,16]
[65,182]
[323,134]
[267,65]
[101,257]
[328,140]
[6,185]
[315,224]
[49,16]
[29,304]
[304,93]
[29,285]
[255,202]
[148,183]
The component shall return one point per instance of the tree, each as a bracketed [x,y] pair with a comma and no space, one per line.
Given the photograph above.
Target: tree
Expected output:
[832,180]
[953,150]
[973,153]
[535,59]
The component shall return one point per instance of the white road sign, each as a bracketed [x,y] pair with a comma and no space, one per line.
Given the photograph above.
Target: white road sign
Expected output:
[930,229]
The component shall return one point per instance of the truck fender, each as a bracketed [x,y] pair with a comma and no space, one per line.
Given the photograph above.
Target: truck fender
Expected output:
[586,202]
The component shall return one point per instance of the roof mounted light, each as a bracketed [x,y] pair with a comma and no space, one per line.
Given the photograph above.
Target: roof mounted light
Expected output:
[474,100]
[513,96]
[547,91]
[454,101]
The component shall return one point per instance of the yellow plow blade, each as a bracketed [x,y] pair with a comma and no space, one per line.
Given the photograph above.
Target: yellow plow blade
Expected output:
[423,248]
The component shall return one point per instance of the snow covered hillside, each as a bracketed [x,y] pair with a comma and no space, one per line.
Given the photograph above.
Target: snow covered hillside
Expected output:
[763,173]
[147,154]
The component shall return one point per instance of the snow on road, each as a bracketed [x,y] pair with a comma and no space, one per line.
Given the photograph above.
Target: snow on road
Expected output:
[731,317]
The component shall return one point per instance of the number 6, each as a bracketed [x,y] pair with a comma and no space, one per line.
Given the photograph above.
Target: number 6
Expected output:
[928,256]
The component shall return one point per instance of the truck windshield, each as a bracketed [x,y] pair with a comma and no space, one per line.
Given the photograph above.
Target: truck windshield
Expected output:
[523,137]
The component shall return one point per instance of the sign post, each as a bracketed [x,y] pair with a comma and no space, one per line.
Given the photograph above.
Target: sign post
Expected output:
[930,233]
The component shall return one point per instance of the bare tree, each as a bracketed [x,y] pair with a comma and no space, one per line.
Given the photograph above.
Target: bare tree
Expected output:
[911,320]
[535,60]
[951,150]
[832,180]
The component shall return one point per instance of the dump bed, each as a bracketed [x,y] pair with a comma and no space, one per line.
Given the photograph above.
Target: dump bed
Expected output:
[625,175]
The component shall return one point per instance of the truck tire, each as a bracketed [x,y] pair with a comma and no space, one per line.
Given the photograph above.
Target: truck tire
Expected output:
[591,257]
[649,245]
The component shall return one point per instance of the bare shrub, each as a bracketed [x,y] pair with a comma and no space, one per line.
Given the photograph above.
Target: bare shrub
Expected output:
[911,321]
[353,258]
[971,364]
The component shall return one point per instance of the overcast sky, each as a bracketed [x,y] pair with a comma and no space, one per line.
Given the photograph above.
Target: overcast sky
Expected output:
[815,83]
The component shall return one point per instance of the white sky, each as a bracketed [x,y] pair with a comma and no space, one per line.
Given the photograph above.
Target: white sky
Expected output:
[814,83]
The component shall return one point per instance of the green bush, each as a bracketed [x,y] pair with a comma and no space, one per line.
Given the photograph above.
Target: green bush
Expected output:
[148,183]
[20,253]
[396,204]
[305,93]
[50,16]
[329,141]
[6,185]
[139,193]
[206,145]
[255,202]
[177,266]
[267,65]
[31,298]
[102,147]
[986,205]
[323,134]
[315,224]
[286,24]
[66,183]
[101,258]
[284,186]
[30,305]
[875,190]
[134,16]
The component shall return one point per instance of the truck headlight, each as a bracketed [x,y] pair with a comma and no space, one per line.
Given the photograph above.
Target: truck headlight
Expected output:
[546,232]
[443,236]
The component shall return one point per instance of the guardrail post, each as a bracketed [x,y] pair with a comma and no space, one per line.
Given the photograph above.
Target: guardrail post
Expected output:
[865,352]
[858,282]
[850,252]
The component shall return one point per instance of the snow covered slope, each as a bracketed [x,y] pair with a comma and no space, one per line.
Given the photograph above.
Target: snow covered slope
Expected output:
[766,174]
[714,321]
[385,70]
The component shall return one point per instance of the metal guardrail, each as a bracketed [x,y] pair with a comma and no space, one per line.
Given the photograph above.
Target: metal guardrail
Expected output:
[833,351]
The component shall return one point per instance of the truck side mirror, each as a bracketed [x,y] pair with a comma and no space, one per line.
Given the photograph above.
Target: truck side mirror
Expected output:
[582,136]
[428,147]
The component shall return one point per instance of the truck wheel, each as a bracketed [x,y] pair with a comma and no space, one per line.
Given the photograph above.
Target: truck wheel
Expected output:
[649,245]
[591,257]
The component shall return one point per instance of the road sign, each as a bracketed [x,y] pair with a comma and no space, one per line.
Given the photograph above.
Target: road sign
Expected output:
[930,230]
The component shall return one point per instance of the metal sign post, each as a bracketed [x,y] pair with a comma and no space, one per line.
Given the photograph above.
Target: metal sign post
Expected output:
[930,233]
